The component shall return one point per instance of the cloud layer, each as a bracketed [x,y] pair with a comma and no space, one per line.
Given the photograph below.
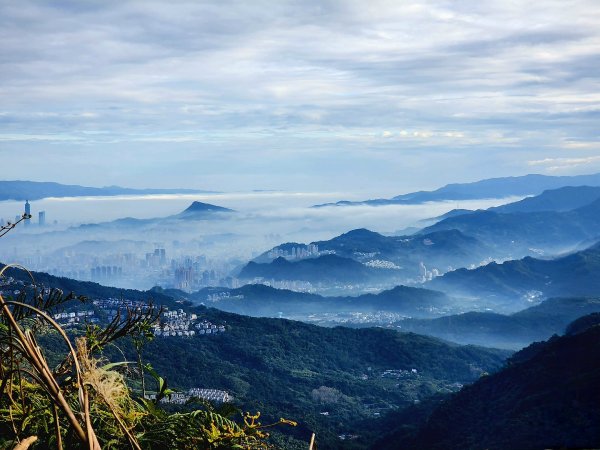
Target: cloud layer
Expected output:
[379,96]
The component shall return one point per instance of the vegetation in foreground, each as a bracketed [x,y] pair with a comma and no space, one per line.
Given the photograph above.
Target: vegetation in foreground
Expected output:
[546,397]
[81,400]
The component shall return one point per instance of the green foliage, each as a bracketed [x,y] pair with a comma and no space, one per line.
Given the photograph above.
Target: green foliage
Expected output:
[161,390]
[547,397]
[274,365]
[86,401]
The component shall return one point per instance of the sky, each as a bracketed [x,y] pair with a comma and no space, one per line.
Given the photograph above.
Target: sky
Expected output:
[370,97]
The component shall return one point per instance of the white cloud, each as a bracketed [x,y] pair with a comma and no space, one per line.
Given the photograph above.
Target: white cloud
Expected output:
[582,145]
[558,164]
[38,137]
[331,77]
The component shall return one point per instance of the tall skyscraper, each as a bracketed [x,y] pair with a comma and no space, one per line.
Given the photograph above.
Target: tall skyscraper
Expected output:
[27,212]
[42,218]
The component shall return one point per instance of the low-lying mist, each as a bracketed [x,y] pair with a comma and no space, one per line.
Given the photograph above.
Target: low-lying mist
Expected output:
[219,242]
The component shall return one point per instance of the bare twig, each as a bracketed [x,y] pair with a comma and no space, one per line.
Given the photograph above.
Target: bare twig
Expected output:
[9,226]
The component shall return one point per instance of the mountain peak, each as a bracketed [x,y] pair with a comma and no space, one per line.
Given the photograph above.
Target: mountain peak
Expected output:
[361,232]
[197,208]
[532,184]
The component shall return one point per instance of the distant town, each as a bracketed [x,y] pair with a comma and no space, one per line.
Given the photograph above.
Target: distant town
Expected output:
[172,323]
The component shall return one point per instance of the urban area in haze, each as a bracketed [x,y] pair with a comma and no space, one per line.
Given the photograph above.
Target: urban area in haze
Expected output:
[300,225]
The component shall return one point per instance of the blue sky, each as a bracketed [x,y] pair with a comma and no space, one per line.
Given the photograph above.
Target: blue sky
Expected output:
[380,97]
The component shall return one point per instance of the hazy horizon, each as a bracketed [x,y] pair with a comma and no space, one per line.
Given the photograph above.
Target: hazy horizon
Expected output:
[261,221]
[275,206]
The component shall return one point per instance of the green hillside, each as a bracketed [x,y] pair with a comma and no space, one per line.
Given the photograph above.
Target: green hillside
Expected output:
[291,369]
[294,370]
[547,397]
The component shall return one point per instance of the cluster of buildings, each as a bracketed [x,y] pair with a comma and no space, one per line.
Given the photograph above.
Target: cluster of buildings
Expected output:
[182,324]
[177,323]
[399,373]
[355,318]
[292,285]
[133,268]
[382,264]
[27,222]
[66,319]
[110,307]
[104,310]
[180,398]
[105,273]
[218,296]
[365,256]
[300,252]
[189,277]
[166,265]
[191,274]
[427,275]
[158,258]
[10,282]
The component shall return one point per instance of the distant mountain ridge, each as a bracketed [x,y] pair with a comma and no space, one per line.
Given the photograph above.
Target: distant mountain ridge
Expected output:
[260,300]
[532,184]
[517,231]
[512,331]
[545,224]
[440,249]
[364,241]
[325,268]
[196,211]
[517,280]
[560,200]
[34,190]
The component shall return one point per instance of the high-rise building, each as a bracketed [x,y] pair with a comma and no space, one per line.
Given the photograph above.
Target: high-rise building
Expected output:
[27,212]
[42,218]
